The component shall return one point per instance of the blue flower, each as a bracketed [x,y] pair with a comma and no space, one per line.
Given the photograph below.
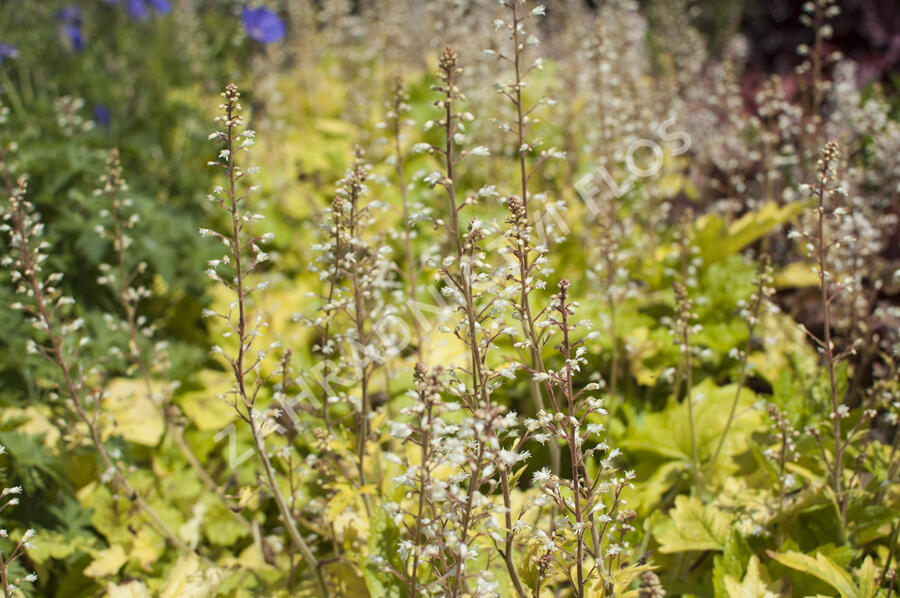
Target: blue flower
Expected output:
[73,32]
[263,25]
[70,17]
[161,6]
[7,51]
[102,115]
[140,9]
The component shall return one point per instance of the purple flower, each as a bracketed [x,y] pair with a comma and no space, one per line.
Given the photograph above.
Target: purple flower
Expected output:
[7,51]
[263,25]
[73,32]
[102,115]
[140,9]
[70,17]
[161,6]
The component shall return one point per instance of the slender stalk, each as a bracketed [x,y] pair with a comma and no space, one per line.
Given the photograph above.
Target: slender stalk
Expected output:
[360,312]
[128,299]
[398,107]
[507,553]
[684,339]
[574,445]
[55,353]
[3,579]
[467,520]
[753,318]
[236,248]
[424,480]
[521,251]
[826,170]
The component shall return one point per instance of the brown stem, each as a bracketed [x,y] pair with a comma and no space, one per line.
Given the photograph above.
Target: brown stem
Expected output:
[828,346]
[243,345]
[72,389]
[411,271]
[138,356]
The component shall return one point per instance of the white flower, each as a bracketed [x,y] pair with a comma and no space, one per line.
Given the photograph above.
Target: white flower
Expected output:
[480,151]
[400,430]
[541,477]
[434,178]
[595,429]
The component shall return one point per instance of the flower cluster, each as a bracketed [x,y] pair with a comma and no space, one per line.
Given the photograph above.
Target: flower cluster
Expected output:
[9,497]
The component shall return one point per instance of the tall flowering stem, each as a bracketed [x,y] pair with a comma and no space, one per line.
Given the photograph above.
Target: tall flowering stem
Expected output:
[751,314]
[364,268]
[581,498]
[62,338]
[612,273]
[820,244]
[9,497]
[787,452]
[243,257]
[684,326]
[462,277]
[827,171]
[480,327]
[519,206]
[121,277]
[398,106]
[683,331]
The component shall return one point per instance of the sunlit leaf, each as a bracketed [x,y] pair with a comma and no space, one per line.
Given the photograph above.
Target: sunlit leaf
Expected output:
[822,567]
[106,562]
[754,584]
[135,416]
[693,526]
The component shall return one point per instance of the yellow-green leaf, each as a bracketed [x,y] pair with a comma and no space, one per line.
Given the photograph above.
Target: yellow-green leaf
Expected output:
[132,589]
[867,586]
[796,275]
[135,416]
[189,579]
[203,406]
[144,549]
[693,526]
[821,567]
[106,562]
[340,501]
[754,584]
[717,240]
